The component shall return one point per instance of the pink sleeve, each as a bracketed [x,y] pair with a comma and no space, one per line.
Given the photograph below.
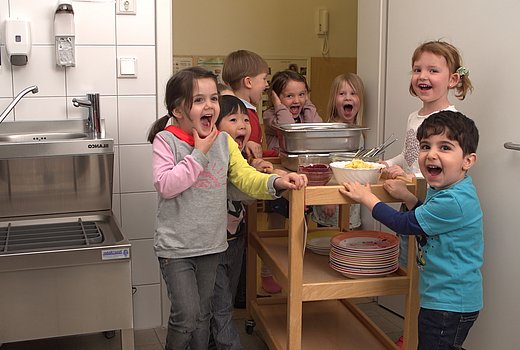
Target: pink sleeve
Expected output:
[310,114]
[278,115]
[172,179]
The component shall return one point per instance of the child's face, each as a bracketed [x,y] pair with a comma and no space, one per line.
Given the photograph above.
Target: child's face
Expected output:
[442,162]
[347,104]
[204,111]
[238,127]
[293,96]
[257,85]
[431,78]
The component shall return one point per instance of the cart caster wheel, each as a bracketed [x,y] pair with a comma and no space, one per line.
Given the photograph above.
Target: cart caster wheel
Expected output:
[250,325]
[109,334]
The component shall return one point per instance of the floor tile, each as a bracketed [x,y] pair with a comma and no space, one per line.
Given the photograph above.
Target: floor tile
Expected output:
[150,347]
[161,334]
[145,337]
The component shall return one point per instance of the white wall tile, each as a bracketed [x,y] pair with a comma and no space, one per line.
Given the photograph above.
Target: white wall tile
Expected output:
[108,108]
[95,71]
[6,89]
[4,13]
[144,83]
[145,267]
[138,214]
[95,22]
[41,16]
[6,83]
[4,102]
[38,108]
[138,29]
[136,168]
[40,70]
[136,115]
[147,306]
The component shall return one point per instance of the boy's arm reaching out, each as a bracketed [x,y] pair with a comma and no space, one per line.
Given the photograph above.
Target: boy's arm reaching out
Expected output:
[404,223]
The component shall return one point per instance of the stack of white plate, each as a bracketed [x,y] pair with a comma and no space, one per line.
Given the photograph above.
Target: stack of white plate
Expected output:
[319,245]
[358,254]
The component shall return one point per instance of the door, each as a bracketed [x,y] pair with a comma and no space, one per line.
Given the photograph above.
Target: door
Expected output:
[487,34]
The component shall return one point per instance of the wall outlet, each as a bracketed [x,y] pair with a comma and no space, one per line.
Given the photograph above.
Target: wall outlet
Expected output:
[126,7]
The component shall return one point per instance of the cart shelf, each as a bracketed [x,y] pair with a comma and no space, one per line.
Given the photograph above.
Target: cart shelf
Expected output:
[332,324]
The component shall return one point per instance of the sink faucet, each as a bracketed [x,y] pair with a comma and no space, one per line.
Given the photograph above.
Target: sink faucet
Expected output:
[33,89]
[94,119]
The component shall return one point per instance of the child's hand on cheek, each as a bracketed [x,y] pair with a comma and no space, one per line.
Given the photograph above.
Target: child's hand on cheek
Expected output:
[205,144]
[275,99]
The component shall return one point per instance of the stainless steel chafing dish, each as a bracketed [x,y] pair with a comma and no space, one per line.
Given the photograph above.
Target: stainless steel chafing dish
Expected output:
[318,137]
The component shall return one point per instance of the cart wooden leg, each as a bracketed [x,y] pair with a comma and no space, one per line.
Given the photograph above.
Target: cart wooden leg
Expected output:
[344,217]
[410,339]
[296,252]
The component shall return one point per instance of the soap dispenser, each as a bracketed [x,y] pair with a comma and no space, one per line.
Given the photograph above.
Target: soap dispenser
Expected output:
[64,35]
[18,41]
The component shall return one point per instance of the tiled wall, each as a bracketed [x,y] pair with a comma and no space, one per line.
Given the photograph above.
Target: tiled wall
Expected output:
[128,106]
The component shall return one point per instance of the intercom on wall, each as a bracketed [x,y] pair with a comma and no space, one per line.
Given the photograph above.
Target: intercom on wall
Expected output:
[323,22]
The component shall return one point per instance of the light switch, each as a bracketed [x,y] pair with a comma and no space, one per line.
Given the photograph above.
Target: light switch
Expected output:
[127,67]
[126,7]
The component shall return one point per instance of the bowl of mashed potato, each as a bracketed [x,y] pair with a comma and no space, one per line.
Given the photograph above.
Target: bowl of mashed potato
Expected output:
[356,170]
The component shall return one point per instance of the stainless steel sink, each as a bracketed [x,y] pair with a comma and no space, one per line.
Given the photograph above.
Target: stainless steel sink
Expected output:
[25,139]
[42,137]
[23,131]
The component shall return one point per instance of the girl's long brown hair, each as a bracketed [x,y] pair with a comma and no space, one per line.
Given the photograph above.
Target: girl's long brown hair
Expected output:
[179,93]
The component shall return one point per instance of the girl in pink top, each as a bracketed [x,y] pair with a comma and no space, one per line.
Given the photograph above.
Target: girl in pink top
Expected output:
[289,104]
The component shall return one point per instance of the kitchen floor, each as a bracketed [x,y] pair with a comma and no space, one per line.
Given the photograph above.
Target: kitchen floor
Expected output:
[153,339]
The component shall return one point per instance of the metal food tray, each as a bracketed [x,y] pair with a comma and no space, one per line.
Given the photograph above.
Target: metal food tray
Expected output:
[318,137]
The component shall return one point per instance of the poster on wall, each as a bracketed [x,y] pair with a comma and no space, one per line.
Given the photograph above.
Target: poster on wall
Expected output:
[181,62]
[213,64]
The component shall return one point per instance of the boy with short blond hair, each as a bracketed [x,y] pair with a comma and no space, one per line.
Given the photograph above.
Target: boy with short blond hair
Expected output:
[246,73]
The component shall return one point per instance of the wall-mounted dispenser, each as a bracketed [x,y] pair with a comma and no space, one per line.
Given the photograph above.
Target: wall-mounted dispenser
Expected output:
[18,41]
[64,35]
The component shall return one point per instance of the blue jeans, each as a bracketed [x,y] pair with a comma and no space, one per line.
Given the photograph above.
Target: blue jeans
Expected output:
[190,283]
[224,331]
[444,330]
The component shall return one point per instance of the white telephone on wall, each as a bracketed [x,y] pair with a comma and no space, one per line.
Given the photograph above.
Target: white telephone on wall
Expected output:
[323,22]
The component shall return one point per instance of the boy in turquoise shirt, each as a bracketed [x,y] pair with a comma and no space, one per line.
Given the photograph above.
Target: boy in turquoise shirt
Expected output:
[448,227]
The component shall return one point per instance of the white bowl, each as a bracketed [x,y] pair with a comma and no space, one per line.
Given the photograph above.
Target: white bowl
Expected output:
[361,175]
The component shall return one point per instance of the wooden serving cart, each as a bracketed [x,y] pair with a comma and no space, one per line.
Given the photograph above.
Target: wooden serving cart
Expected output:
[316,312]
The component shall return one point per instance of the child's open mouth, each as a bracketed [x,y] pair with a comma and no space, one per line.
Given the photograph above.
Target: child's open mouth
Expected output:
[433,170]
[295,110]
[205,120]
[424,86]
[347,108]
[240,140]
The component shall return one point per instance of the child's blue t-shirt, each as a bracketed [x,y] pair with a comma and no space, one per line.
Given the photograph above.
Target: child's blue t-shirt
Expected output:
[453,252]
